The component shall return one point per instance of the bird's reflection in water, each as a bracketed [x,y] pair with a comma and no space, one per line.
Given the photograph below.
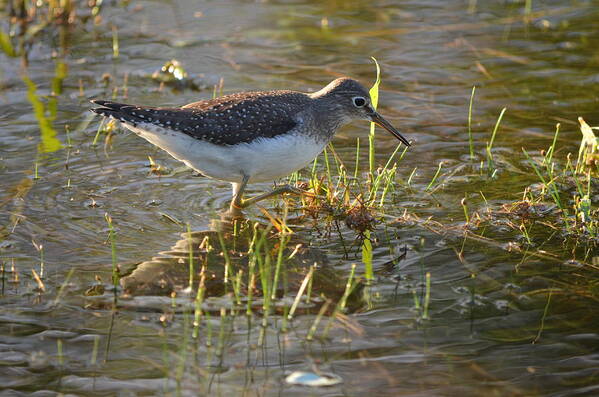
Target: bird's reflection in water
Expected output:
[254,256]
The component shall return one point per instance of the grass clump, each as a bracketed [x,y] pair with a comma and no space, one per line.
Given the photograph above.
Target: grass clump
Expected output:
[30,20]
[557,209]
[571,186]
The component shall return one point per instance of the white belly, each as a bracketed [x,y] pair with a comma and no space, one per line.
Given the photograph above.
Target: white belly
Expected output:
[263,159]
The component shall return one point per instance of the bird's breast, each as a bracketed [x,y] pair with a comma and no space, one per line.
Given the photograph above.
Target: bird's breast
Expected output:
[267,159]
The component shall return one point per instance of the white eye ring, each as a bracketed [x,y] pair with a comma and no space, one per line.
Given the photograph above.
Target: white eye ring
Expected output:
[359,101]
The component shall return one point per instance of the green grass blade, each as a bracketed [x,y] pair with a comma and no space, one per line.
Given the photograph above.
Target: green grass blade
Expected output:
[470,123]
[367,256]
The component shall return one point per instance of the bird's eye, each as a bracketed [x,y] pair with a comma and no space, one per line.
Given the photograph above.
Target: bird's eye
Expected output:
[359,101]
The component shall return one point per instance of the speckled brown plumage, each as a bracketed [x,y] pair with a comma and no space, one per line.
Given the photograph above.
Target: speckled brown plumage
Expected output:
[228,120]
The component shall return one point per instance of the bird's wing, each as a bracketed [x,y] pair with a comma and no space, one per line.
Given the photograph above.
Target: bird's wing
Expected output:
[227,120]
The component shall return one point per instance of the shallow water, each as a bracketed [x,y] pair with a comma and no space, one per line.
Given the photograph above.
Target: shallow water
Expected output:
[500,322]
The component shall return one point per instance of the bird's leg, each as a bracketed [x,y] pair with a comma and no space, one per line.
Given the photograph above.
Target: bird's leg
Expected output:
[238,189]
[238,203]
[280,190]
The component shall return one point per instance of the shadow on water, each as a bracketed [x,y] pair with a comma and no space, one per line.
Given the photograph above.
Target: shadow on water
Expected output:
[231,259]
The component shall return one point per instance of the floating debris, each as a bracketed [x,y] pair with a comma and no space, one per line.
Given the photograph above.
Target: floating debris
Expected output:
[303,378]
[157,169]
[173,74]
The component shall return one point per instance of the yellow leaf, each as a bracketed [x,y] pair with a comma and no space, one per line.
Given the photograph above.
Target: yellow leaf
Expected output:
[374,91]
[49,142]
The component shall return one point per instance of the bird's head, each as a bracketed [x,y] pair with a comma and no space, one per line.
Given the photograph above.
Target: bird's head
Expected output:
[350,101]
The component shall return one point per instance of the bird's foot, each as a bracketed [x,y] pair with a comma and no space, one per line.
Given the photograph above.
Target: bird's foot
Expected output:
[235,210]
[239,205]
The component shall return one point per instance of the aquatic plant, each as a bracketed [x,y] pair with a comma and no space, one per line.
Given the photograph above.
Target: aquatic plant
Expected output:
[30,20]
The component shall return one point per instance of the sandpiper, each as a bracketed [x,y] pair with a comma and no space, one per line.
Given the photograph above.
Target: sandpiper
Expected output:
[251,136]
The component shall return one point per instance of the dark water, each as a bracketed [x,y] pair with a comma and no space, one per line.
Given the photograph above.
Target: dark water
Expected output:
[499,322]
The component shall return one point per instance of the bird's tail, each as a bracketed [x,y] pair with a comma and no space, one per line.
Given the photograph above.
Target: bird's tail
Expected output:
[119,111]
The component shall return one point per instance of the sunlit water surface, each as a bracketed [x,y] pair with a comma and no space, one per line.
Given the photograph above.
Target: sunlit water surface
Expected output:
[493,326]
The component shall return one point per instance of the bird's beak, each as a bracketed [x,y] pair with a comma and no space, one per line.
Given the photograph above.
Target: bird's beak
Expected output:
[379,120]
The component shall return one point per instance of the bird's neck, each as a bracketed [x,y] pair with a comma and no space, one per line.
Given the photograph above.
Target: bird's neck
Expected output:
[326,118]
